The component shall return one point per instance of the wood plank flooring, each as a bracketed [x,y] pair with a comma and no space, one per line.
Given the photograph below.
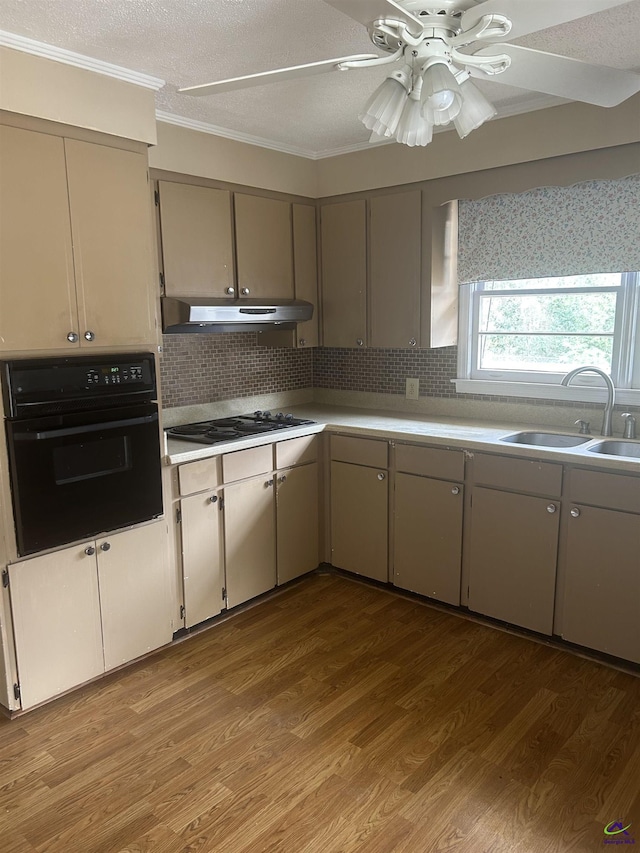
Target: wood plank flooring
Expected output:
[335,717]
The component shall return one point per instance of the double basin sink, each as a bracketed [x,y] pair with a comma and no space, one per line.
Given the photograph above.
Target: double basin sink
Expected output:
[607,446]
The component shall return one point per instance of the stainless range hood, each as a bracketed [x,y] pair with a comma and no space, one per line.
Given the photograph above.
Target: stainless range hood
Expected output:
[202,315]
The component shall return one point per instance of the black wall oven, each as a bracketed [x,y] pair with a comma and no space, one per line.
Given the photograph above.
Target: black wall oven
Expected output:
[83,444]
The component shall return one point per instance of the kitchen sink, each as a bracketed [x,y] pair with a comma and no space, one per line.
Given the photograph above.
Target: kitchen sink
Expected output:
[616,448]
[548,439]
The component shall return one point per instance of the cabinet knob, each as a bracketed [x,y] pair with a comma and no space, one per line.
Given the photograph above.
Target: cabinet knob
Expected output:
[245,291]
[413,342]
[105,546]
[302,342]
[230,291]
[455,490]
[72,337]
[213,499]
[282,479]
[575,512]
[90,551]
[360,342]
[551,508]
[89,335]
[381,476]
[269,483]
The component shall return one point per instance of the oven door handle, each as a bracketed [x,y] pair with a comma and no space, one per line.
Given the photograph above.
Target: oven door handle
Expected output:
[79,430]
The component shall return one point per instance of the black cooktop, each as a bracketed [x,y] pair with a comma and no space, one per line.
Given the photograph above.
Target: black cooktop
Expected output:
[230,429]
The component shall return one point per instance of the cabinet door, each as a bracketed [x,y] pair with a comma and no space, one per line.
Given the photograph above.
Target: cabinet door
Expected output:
[601,604]
[344,274]
[250,541]
[512,547]
[201,557]
[37,287]
[197,242]
[56,621]
[305,259]
[395,274]
[359,520]
[427,548]
[297,522]
[134,592]
[111,227]
[264,247]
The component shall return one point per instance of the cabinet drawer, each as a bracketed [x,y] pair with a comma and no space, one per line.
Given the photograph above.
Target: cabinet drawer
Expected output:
[296,451]
[430,462]
[200,475]
[614,491]
[522,475]
[247,463]
[359,451]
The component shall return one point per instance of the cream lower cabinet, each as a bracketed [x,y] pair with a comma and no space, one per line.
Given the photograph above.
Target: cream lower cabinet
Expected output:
[250,538]
[249,523]
[359,506]
[202,557]
[427,522]
[599,603]
[87,609]
[200,518]
[297,521]
[511,543]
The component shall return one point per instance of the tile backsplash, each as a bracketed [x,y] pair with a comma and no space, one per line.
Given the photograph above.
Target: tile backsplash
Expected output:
[206,368]
[197,369]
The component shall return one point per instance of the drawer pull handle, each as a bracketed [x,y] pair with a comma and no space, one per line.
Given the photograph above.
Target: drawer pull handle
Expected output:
[213,499]
[381,476]
[551,508]
[455,490]
[575,512]
[105,546]
[90,551]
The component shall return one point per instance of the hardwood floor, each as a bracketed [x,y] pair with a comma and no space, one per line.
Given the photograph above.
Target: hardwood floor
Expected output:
[333,717]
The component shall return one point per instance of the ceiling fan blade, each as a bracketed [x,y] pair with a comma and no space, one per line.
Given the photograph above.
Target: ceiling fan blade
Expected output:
[529,17]
[561,76]
[277,76]
[367,11]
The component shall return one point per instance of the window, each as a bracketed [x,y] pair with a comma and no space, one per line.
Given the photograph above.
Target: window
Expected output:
[535,330]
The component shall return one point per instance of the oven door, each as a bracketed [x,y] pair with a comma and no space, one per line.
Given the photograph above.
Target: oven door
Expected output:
[75,476]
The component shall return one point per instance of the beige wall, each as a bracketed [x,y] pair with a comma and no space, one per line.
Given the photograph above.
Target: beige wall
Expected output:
[194,153]
[31,85]
[552,132]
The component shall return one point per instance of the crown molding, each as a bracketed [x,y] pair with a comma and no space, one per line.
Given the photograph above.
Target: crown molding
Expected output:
[237,136]
[532,104]
[88,63]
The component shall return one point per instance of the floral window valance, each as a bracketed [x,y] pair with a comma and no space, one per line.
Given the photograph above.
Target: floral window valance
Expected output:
[551,231]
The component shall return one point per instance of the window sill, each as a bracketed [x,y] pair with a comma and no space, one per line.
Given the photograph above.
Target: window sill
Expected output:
[571,393]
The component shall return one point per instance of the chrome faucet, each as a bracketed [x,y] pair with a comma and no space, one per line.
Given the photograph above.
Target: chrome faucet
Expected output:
[611,393]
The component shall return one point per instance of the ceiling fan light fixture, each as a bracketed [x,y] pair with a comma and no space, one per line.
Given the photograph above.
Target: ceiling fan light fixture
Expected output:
[476,109]
[441,96]
[382,111]
[413,129]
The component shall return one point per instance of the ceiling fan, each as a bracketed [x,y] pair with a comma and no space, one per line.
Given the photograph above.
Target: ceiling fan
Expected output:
[435,47]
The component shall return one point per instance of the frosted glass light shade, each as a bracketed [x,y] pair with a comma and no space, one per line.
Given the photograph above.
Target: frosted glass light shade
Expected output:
[382,111]
[413,129]
[441,97]
[476,109]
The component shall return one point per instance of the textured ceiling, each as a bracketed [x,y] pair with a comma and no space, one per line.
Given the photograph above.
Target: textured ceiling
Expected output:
[188,42]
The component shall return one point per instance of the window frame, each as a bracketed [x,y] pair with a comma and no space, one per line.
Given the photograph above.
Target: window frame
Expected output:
[585,387]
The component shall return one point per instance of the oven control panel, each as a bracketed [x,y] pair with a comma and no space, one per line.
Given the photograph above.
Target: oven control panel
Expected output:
[51,385]
[115,374]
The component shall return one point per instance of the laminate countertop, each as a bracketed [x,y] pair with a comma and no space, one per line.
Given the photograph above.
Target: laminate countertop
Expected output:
[470,435]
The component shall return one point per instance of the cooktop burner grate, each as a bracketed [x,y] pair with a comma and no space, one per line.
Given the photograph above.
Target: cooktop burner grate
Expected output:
[228,429]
